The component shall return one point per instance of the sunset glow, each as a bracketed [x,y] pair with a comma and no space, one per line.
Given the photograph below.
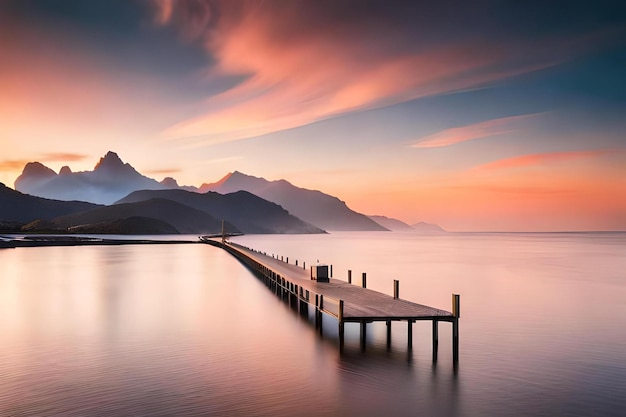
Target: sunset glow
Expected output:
[498,117]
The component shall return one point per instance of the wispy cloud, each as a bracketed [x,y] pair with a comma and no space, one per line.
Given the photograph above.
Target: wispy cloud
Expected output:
[62,157]
[223,160]
[299,69]
[479,130]
[12,164]
[540,159]
[162,171]
[18,164]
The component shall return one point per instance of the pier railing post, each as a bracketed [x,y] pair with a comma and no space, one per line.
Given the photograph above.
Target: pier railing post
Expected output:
[364,280]
[396,289]
[456,305]
[349,276]
[456,312]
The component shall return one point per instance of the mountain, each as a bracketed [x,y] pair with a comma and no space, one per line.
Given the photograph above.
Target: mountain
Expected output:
[390,223]
[110,180]
[315,207]
[21,208]
[171,184]
[428,228]
[135,225]
[249,213]
[181,218]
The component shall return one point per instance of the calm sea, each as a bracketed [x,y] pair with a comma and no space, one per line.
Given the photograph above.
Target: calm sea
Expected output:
[186,330]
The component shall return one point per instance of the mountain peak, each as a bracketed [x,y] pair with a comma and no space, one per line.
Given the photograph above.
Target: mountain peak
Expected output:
[37,169]
[169,182]
[428,227]
[34,172]
[111,160]
[213,185]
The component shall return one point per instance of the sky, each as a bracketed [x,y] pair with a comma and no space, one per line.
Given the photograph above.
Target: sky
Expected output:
[488,115]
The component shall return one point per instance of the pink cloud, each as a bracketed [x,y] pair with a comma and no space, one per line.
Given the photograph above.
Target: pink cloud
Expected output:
[541,159]
[63,157]
[298,71]
[13,164]
[480,130]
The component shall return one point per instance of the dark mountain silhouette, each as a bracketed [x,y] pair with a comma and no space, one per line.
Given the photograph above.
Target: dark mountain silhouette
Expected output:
[129,226]
[110,180]
[391,223]
[21,208]
[315,207]
[182,218]
[249,213]
[428,228]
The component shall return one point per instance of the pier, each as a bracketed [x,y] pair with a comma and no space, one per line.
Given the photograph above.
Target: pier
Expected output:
[342,300]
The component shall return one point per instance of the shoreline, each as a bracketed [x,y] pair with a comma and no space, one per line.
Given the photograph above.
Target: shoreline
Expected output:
[43,241]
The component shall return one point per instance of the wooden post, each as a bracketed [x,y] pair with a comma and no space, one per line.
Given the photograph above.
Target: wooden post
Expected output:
[410,334]
[456,312]
[331,270]
[388,334]
[303,265]
[435,339]
[349,276]
[456,305]
[455,340]
[305,306]
[311,272]
[396,289]
[341,325]
[296,262]
[363,334]
[321,313]
[364,280]
[297,299]
[317,311]
[287,259]
[284,282]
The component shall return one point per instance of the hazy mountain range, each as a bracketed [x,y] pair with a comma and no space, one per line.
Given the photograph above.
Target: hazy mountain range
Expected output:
[135,202]
[312,206]
[110,180]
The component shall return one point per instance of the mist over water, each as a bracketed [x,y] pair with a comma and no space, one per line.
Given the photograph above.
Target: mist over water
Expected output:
[187,330]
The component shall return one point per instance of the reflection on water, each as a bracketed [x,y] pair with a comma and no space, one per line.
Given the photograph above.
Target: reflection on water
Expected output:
[187,330]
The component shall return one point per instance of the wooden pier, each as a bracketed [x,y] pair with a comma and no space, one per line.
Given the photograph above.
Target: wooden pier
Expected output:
[342,300]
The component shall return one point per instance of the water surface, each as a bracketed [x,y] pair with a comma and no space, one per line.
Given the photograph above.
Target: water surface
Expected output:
[187,330]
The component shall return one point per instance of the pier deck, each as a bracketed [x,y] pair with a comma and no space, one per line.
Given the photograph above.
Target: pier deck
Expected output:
[340,299]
